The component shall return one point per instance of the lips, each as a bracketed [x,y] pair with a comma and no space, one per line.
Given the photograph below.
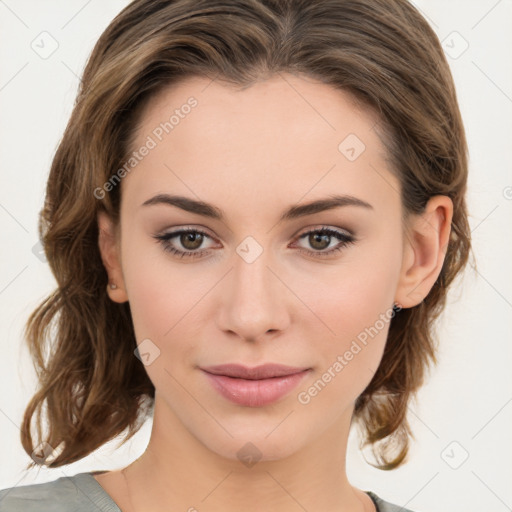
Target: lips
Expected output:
[254,387]
[264,371]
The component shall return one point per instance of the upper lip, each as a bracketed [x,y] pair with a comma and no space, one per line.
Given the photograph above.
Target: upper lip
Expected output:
[264,371]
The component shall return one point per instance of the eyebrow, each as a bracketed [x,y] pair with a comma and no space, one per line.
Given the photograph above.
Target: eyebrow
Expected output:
[293,212]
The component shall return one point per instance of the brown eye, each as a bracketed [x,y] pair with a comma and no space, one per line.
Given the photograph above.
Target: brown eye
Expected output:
[187,240]
[320,239]
[191,240]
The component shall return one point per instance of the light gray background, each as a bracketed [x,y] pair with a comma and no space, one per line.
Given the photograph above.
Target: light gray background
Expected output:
[464,410]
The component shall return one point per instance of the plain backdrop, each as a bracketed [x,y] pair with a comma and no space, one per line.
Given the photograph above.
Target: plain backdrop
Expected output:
[461,458]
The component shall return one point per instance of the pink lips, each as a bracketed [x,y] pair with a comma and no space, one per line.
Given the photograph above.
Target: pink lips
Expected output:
[254,387]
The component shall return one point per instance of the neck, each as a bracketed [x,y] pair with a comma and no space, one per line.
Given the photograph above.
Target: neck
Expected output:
[177,472]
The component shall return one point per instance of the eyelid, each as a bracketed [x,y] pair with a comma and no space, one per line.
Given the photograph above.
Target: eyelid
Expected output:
[298,234]
[324,227]
[183,229]
[186,228]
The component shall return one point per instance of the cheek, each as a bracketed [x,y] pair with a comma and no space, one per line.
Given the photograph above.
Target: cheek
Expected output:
[347,361]
[165,302]
[167,311]
[153,293]
[355,308]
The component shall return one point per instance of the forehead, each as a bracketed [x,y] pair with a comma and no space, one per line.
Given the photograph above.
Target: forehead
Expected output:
[287,133]
[306,107]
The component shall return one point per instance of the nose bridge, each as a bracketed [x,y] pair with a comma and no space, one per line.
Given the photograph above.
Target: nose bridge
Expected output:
[252,279]
[254,301]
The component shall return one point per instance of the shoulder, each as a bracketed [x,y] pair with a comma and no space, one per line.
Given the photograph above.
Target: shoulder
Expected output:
[384,506]
[79,493]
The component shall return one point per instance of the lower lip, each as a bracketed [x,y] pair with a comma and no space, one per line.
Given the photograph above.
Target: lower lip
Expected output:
[255,393]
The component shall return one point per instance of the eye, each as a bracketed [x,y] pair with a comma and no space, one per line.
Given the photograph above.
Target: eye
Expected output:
[189,239]
[321,239]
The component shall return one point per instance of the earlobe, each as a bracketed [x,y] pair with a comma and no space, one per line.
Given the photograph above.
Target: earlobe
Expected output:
[425,247]
[110,256]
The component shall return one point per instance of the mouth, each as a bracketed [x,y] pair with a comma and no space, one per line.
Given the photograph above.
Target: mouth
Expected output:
[254,387]
[264,371]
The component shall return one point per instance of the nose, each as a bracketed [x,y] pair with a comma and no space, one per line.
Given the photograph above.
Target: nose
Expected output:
[254,300]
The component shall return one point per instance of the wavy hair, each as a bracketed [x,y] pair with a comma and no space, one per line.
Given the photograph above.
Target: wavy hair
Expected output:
[382,52]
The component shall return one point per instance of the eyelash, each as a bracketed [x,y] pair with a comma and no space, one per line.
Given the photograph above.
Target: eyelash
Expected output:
[345,240]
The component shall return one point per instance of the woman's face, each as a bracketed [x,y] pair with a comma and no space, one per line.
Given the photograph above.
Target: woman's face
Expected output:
[253,286]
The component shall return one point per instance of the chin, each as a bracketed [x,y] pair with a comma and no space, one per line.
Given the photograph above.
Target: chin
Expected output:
[269,441]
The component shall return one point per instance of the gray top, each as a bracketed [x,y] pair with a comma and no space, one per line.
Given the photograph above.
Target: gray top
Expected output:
[82,493]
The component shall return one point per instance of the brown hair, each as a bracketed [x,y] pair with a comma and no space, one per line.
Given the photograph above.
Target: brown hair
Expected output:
[381,51]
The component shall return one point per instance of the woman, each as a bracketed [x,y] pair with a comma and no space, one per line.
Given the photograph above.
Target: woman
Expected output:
[253,217]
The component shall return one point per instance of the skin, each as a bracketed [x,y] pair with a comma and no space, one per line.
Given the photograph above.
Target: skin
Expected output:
[253,153]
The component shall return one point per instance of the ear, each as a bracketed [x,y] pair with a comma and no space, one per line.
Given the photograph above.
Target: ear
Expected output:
[111,257]
[425,246]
